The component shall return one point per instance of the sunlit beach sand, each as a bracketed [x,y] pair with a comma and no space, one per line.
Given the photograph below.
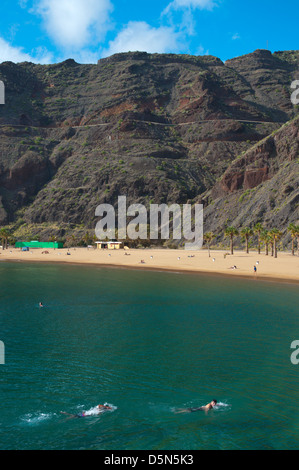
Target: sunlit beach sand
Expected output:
[284,268]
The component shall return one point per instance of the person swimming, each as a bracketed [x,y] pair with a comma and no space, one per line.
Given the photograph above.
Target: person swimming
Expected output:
[84,414]
[40,304]
[207,407]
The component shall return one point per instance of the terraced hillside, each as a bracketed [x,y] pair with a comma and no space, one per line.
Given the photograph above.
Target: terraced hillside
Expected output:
[154,127]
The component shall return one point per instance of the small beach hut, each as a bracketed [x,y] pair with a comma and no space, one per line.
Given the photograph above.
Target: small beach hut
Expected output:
[109,245]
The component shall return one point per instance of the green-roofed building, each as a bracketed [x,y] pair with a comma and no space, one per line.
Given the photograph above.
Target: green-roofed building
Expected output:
[37,244]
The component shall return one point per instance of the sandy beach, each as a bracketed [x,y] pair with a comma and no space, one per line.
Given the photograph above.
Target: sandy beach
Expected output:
[284,268]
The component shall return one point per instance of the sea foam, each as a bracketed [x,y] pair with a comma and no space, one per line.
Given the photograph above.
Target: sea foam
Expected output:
[95,410]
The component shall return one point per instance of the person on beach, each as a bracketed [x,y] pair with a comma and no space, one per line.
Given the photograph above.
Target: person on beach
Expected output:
[83,414]
[207,407]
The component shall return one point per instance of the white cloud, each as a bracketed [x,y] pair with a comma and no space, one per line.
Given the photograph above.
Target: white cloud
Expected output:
[186,9]
[85,56]
[140,36]
[195,4]
[42,56]
[75,23]
[23,3]
[235,36]
[201,51]
[16,54]
[13,54]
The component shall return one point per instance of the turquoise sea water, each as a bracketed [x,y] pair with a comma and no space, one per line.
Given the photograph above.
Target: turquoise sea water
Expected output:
[147,343]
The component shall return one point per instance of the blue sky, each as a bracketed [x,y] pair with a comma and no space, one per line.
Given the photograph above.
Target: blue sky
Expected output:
[49,31]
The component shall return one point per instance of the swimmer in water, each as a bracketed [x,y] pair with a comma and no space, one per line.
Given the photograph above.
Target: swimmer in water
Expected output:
[207,407]
[83,414]
[40,304]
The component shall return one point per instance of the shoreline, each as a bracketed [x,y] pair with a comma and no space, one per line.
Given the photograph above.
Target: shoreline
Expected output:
[284,269]
[169,270]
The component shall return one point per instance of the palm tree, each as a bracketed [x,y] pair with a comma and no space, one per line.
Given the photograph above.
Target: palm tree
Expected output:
[293,230]
[246,232]
[296,230]
[71,240]
[265,237]
[94,239]
[12,240]
[231,232]
[86,238]
[68,240]
[208,237]
[276,235]
[53,239]
[271,242]
[4,235]
[258,228]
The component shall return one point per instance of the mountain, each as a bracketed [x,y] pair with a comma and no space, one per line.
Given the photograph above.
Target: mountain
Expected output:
[260,185]
[160,128]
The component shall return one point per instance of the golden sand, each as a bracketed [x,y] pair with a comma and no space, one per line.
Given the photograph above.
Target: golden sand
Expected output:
[283,268]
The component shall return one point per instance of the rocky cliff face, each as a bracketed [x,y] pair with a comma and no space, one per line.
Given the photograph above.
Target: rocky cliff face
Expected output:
[154,127]
[262,161]
[262,185]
